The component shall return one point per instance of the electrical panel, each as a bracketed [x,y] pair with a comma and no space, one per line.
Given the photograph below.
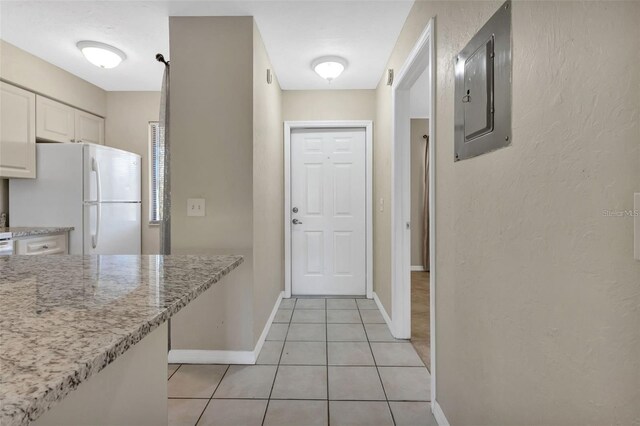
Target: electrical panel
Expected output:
[483,89]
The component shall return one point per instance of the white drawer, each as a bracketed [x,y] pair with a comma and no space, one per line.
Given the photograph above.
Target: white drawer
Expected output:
[47,244]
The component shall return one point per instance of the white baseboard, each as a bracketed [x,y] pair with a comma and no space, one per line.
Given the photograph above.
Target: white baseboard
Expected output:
[439,414]
[201,356]
[267,326]
[417,268]
[198,356]
[386,317]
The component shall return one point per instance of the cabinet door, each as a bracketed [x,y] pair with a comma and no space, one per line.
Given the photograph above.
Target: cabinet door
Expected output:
[89,128]
[54,121]
[17,132]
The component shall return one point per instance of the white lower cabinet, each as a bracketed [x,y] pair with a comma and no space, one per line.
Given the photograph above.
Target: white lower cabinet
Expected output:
[46,244]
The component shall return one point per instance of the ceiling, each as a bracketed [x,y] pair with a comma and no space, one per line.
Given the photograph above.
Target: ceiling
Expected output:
[294,32]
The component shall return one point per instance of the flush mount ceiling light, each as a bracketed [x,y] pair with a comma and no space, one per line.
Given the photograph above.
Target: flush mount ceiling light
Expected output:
[100,54]
[329,67]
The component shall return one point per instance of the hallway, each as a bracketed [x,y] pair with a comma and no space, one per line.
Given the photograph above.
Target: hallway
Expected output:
[325,362]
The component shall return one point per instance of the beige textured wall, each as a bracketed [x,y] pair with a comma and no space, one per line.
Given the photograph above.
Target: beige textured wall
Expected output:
[28,71]
[537,292]
[127,127]
[212,158]
[211,130]
[226,138]
[419,128]
[299,105]
[268,188]
[221,317]
[382,197]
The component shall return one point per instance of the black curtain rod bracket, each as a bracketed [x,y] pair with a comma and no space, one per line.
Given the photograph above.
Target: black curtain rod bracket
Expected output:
[160,58]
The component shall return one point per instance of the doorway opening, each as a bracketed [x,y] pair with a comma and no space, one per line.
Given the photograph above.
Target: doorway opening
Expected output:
[413,200]
[328,208]
[420,220]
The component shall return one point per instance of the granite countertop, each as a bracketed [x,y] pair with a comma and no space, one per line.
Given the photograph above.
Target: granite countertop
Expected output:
[24,231]
[65,318]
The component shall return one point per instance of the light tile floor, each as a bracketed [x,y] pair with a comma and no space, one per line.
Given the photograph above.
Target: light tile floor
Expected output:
[325,362]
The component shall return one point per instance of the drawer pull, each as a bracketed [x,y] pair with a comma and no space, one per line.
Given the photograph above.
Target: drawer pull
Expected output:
[44,246]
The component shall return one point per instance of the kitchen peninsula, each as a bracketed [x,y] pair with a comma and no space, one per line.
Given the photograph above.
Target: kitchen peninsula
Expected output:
[95,323]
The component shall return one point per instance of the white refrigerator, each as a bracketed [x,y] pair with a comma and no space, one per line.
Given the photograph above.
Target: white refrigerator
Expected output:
[94,188]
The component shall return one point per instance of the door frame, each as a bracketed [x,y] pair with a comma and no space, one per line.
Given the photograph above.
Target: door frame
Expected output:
[367,125]
[423,53]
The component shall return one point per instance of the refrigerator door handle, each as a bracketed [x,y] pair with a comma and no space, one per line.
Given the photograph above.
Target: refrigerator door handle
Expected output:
[95,168]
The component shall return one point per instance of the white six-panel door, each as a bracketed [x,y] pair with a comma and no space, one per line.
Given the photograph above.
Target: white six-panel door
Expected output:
[328,196]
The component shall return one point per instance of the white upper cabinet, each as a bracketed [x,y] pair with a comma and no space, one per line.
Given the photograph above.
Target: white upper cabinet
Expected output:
[89,128]
[57,122]
[17,132]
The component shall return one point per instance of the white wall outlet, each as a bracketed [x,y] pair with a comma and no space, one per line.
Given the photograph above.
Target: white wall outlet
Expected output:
[636,226]
[381,204]
[195,207]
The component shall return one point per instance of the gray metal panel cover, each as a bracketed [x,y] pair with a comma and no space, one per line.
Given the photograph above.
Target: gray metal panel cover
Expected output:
[483,89]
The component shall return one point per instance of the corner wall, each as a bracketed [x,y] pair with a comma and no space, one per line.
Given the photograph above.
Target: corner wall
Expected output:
[212,158]
[537,291]
[268,188]
[226,147]
[212,131]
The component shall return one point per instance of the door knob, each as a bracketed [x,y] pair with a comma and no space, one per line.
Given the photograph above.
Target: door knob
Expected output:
[296,222]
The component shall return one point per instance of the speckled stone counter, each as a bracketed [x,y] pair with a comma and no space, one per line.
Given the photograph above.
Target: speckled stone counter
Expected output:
[65,318]
[23,231]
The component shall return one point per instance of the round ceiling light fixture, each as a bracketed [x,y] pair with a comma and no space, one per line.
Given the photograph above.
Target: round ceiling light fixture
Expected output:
[329,67]
[100,54]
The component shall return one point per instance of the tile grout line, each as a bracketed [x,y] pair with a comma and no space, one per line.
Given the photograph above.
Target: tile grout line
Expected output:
[378,370]
[187,397]
[326,332]
[338,365]
[264,416]
[174,372]
[334,341]
[212,393]
[237,398]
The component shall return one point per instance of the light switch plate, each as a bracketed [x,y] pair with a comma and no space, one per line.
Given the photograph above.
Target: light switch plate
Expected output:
[195,207]
[636,225]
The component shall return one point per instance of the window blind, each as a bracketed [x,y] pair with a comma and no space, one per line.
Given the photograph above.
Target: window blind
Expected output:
[156,173]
